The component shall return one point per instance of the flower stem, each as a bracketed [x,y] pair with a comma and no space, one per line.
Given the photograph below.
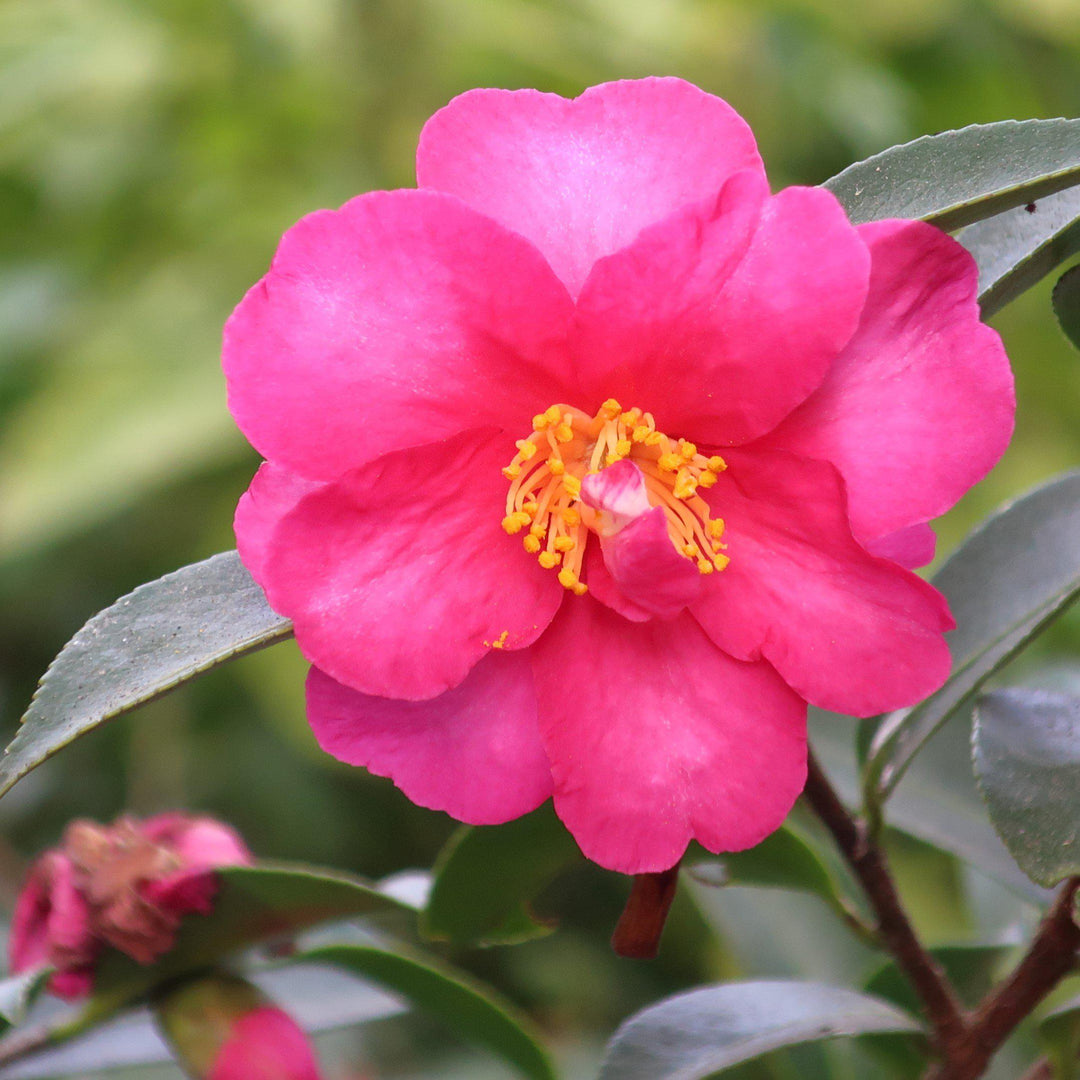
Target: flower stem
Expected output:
[637,933]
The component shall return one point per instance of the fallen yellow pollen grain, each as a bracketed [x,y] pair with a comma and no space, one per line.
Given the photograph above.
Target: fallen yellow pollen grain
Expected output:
[500,641]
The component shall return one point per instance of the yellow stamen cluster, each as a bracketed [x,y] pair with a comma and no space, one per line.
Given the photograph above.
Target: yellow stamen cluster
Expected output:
[566,444]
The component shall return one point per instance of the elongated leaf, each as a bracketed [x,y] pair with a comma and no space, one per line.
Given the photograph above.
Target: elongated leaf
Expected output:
[959,177]
[1067,304]
[317,997]
[693,1035]
[1012,576]
[784,860]
[485,878]
[1059,1030]
[148,643]
[253,903]
[1017,249]
[17,994]
[471,1011]
[1027,759]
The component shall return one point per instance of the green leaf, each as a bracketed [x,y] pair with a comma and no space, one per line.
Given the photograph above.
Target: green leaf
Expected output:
[696,1034]
[959,177]
[148,643]
[1059,1031]
[1066,297]
[471,1011]
[17,994]
[784,860]
[1027,759]
[1011,577]
[485,877]
[253,903]
[1017,249]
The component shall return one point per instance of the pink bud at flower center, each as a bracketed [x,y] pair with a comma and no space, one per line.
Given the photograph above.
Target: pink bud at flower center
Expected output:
[567,446]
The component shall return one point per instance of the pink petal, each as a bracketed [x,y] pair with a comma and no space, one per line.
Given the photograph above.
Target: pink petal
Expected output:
[183,893]
[199,842]
[657,738]
[910,547]
[722,318]
[602,586]
[849,632]
[28,944]
[920,404]
[273,492]
[582,178]
[265,1044]
[400,319]
[474,751]
[399,576]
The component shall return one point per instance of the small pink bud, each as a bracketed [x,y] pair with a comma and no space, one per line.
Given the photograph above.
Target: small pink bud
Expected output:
[266,1044]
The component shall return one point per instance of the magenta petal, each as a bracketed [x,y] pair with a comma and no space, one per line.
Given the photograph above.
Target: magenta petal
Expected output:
[910,547]
[656,738]
[272,493]
[400,319]
[848,631]
[920,404]
[582,178]
[474,751]
[726,315]
[265,1044]
[399,577]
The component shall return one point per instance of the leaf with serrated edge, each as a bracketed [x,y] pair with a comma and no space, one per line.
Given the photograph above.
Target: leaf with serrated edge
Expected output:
[1017,249]
[1026,748]
[472,1011]
[693,1035]
[1010,578]
[148,643]
[963,176]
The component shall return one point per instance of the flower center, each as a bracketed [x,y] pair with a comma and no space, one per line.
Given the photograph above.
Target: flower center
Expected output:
[566,445]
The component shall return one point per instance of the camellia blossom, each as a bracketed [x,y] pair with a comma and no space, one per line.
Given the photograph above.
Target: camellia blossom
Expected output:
[590,462]
[126,885]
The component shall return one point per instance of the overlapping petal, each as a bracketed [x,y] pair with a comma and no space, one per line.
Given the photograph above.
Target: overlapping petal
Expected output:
[656,737]
[581,178]
[272,493]
[402,318]
[920,404]
[726,315]
[850,632]
[474,751]
[399,576]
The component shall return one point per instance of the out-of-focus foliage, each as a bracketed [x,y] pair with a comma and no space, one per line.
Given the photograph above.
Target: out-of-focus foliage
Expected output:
[152,152]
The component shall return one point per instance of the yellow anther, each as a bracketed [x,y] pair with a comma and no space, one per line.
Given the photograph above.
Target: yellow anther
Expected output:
[512,472]
[691,551]
[531,544]
[549,560]
[553,414]
[687,449]
[572,486]
[540,422]
[721,561]
[705,566]
[526,449]
[539,531]
[716,463]
[685,484]
[611,457]
[670,462]
[630,417]
[580,589]
[640,433]
[556,466]
[515,522]
[654,438]
[530,508]
[567,578]
[611,408]
[564,433]
[623,448]
[716,528]
[571,517]
[563,544]
[706,479]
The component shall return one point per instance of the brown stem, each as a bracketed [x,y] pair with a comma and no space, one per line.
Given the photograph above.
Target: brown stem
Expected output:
[867,862]
[1052,956]
[637,933]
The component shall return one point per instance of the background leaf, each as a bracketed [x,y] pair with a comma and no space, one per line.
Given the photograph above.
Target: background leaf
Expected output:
[1060,1032]
[1011,577]
[1067,304]
[1027,759]
[148,643]
[693,1035]
[962,176]
[18,993]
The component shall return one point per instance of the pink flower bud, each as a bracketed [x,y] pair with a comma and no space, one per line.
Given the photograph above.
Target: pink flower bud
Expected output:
[126,885]
[265,1044]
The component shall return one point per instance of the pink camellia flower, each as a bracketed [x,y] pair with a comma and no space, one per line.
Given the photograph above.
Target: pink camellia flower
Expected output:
[265,1044]
[126,885]
[591,462]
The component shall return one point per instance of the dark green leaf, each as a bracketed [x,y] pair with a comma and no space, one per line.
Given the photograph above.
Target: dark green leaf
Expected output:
[1017,249]
[784,860]
[17,994]
[471,1011]
[253,903]
[696,1034]
[959,177]
[1027,759]
[148,643]
[1011,577]
[1067,304]
[1059,1031]
[485,878]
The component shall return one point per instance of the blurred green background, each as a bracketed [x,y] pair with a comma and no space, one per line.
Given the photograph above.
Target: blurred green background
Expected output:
[151,154]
